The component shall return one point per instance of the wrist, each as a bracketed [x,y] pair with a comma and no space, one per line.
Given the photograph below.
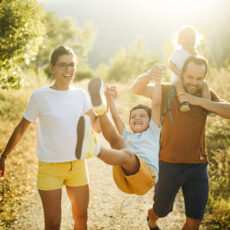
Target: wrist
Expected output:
[148,74]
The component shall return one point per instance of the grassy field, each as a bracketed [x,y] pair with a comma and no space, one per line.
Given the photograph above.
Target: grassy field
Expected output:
[21,165]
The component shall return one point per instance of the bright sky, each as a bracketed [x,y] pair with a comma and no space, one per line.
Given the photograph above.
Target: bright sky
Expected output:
[119,22]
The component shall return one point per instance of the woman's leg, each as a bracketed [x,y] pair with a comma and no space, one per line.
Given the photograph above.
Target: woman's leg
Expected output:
[51,201]
[79,198]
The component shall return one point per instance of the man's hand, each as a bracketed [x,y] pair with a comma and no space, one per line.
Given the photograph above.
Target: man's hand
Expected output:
[157,71]
[186,97]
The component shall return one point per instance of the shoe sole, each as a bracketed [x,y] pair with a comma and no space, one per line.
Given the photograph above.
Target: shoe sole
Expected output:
[82,137]
[94,88]
[185,107]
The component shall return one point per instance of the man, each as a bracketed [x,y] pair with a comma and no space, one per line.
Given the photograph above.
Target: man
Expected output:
[183,158]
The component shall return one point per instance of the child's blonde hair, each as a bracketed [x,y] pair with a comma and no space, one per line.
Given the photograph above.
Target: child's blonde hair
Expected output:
[183,30]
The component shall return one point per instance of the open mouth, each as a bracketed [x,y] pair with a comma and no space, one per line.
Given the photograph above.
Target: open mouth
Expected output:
[67,76]
[137,123]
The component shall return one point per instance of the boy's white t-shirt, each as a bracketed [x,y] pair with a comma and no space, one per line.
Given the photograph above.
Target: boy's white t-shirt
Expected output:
[58,113]
[178,57]
[146,145]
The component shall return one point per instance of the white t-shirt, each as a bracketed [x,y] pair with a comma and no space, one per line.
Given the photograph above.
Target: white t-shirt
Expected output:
[146,145]
[178,57]
[58,113]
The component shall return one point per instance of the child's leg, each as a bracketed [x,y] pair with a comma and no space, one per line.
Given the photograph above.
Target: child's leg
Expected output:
[88,146]
[185,107]
[179,85]
[124,158]
[205,91]
[110,133]
[95,88]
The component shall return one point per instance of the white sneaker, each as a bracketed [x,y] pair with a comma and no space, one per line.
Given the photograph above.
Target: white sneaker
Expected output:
[96,92]
[87,143]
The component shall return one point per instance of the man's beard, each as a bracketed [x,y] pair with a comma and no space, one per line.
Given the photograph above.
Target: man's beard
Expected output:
[196,92]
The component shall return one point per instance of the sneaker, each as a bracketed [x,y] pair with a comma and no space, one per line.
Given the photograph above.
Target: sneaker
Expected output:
[185,107]
[96,92]
[87,144]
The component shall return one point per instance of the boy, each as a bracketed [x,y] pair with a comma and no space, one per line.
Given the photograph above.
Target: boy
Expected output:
[134,155]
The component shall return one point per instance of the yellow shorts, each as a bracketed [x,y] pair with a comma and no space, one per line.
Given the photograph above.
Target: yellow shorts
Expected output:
[54,175]
[139,183]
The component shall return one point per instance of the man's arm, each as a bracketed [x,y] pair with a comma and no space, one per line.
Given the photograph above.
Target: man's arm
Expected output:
[111,93]
[141,85]
[221,108]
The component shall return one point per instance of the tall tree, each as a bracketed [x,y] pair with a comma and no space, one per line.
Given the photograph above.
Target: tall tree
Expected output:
[21,32]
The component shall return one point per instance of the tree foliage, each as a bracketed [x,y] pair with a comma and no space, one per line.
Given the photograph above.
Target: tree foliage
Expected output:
[64,31]
[21,32]
[128,64]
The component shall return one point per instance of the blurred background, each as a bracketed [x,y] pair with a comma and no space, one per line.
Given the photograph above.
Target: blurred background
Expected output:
[113,39]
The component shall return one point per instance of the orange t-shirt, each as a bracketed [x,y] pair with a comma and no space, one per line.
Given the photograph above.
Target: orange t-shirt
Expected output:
[183,141]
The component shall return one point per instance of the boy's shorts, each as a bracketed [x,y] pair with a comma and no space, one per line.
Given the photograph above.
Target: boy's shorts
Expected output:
[139,183]
[53,176]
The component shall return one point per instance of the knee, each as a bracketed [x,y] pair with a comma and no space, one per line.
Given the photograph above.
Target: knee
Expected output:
[162,212]
[130,156]
[116,143]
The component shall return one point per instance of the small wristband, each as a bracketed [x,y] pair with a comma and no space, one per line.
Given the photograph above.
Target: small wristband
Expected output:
[3,156]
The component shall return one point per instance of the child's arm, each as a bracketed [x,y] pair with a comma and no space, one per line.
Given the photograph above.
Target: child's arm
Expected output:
[179,86]
[111,93]
[156,102]
[141,85]
[178,82]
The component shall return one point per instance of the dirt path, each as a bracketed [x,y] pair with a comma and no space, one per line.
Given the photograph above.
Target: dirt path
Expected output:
[109,208]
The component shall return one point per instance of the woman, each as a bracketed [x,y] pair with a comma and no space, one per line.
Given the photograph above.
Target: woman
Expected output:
[58,109]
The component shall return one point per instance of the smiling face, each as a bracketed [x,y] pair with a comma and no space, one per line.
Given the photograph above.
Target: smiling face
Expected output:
[193,78]
[139,120]
[63,70]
